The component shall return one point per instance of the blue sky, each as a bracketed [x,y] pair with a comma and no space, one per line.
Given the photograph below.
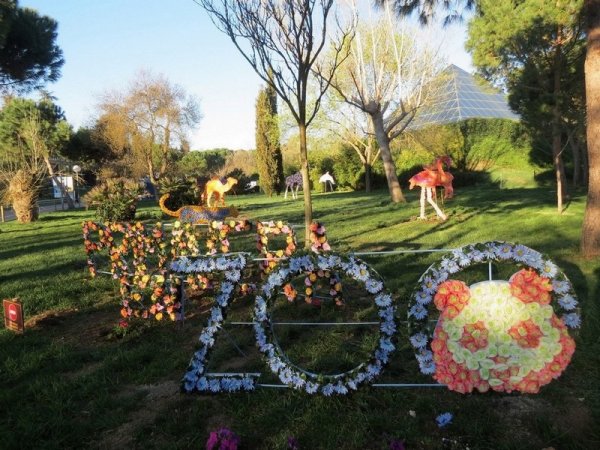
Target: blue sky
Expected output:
[105,42]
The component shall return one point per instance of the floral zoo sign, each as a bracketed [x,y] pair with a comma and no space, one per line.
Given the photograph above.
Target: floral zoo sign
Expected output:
[501,335]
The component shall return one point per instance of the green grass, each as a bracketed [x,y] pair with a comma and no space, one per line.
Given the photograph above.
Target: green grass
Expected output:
[66,384]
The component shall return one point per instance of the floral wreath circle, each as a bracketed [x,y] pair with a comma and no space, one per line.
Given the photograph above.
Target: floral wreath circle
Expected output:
[196,378]
[314,383]
[550,289]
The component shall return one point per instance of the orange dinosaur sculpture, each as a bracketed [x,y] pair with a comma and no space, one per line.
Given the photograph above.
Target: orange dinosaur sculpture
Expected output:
[217,189]
[428,179]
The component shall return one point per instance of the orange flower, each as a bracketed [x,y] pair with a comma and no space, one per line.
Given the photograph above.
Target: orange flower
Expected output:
[526,333]
[290,292]
[475,336]
[451,297]
[530,287]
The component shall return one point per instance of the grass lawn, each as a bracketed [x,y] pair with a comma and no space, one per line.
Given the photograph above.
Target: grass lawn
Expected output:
[67,383]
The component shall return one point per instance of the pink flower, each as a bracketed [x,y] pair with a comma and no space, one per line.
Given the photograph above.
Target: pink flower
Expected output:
[227,439]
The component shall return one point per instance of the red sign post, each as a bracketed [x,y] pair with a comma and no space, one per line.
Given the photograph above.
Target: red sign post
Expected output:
[13,315]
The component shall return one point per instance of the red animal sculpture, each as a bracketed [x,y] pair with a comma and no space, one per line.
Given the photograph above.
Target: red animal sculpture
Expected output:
[430,178]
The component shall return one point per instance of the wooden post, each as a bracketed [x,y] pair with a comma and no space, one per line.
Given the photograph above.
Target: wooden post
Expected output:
[2,212]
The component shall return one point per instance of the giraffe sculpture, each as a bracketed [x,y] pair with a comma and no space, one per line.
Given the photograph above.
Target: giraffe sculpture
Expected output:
[428,179]
[293,183]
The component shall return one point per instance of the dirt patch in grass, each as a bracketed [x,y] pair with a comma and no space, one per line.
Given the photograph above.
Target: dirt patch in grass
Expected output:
[575,419]
[158,397]
[83,329]
[49,319]
[516,413]
[572,418]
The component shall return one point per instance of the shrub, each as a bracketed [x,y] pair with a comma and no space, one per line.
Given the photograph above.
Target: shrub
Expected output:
[182,191]
[115,200]
[349,172]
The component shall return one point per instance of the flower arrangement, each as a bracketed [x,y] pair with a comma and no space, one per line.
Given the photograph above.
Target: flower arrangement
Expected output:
[498,335]
[231,267]
[263,230]
[318,238]
[223,439]
[335,287]
[106,239]
[184,239]
[218,233]
[145,292]
[324,384]
[319,245]
[156,295]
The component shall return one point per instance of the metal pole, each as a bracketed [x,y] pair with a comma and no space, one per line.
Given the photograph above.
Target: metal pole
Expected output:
[2,212]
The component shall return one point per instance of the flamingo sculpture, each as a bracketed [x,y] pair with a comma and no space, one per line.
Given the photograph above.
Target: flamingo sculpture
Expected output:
[328,180]
[293,183]
[428,179]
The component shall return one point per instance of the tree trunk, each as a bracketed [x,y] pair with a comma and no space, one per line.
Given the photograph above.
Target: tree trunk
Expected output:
[63,190]
[585,170]
[590,236]
[386,156]
[305,185]
[559,167]
[577,168]
[367,176]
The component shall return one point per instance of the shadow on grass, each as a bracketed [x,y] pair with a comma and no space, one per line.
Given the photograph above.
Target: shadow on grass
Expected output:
[26,246]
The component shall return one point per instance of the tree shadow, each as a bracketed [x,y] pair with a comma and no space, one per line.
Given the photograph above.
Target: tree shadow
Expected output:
[29,247]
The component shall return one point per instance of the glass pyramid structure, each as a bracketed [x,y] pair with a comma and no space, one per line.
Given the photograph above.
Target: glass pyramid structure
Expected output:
[459,97]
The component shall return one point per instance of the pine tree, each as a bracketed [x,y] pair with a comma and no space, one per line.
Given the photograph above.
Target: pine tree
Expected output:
[268,150]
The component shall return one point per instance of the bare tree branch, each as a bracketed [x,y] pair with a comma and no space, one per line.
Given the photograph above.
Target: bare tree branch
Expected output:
[283,40]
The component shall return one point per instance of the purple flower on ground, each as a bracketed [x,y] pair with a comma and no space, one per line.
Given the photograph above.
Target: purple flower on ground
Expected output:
[292,443]
[397,444]
[223,439]
[213,440]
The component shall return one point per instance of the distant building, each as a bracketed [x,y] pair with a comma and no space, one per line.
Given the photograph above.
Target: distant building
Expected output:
[460,97]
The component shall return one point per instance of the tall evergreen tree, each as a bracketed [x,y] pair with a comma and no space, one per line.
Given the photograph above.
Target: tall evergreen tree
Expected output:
[268,149]
[29,55]
[537,53]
